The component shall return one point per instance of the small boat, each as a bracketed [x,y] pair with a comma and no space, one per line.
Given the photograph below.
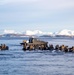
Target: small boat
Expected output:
[4,47]
[34,43]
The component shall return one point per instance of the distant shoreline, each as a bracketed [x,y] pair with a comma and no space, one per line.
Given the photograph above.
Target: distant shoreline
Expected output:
[9,38]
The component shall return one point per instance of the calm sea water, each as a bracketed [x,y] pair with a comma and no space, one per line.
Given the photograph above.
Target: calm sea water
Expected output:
[15,61]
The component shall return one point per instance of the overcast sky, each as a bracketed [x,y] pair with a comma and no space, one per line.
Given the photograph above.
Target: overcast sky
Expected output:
[44,15]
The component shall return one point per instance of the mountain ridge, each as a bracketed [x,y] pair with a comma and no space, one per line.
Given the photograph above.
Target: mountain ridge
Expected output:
[64,32]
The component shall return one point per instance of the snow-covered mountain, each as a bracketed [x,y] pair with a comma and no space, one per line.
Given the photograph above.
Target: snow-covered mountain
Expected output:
[65,32]
[38,32]
[9,32]
[62,33]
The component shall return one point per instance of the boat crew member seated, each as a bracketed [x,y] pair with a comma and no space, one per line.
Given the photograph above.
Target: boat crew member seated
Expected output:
[4,47]
[30,40]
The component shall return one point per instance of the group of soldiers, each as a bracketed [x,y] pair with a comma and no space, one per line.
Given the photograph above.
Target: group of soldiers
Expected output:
[42,47]
[3,47]
[34,47]
[62,48]
[50,47]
